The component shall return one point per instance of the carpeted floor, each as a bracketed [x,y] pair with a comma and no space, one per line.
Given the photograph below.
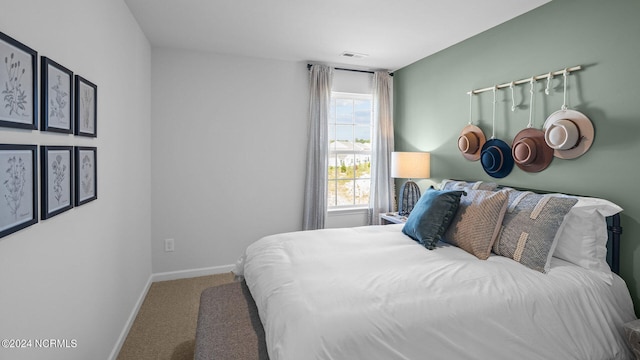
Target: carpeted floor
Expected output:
[165,326]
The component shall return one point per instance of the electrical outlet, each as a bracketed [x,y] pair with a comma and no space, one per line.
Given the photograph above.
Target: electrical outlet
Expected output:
[168,245]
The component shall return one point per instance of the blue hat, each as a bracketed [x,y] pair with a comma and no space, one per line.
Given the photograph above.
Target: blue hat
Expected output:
[496,158]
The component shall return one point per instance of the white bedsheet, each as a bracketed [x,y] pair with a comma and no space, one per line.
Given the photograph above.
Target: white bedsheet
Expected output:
[373,293]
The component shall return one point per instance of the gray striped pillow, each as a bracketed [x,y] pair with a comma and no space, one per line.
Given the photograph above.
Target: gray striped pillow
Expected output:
[478,221]
[529,227]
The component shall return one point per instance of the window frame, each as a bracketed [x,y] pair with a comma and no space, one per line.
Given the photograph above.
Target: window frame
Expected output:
[332,152]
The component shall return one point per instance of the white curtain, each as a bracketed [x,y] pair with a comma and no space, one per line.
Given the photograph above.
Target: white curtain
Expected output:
[315,195]
[382,195]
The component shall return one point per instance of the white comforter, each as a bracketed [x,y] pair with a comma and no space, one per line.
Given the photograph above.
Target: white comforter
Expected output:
[373,293]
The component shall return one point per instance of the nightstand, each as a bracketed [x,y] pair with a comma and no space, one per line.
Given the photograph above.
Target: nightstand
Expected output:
[392,218]
[632,330]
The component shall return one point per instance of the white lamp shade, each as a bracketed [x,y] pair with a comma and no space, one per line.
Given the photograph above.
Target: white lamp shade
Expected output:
[410,165]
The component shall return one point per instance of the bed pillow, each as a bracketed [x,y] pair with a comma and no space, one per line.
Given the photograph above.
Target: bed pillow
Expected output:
[447,184]
[477,222]
[431,216]
[583,238]
[530,226]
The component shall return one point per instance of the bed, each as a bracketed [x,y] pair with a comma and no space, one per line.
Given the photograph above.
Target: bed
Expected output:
[376,292]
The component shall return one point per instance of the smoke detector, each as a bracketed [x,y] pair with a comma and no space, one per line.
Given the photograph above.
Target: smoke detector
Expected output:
[353,55]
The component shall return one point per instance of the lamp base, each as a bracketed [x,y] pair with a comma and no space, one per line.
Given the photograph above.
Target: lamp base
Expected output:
[409,195]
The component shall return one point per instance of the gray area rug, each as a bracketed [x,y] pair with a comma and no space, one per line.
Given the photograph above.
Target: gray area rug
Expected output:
[229,327]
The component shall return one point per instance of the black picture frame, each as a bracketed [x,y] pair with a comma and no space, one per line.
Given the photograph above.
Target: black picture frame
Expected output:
[18,84]
[86,107]
[86,174]
[18,187]
[57,97]
[57,180]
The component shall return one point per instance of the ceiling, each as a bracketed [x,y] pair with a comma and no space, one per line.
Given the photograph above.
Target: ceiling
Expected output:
[393,34]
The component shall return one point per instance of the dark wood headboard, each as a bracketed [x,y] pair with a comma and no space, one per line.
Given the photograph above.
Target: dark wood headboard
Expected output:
[613,245]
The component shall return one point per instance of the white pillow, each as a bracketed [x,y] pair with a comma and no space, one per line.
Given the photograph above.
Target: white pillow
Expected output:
[582,238]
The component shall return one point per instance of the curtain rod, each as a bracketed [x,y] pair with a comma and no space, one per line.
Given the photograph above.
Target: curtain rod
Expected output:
[354,70]
[524,81]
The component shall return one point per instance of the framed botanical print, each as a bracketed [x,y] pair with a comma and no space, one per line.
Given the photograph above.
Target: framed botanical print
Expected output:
[86,107]
[18,84]
[57,182]
[18,188]
[86,174]
[57,97]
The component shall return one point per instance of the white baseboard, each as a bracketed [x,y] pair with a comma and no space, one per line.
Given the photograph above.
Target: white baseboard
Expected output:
[132,317]
[164,276]
[183,274]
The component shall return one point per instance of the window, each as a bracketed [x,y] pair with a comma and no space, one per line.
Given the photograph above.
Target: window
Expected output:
[350,128]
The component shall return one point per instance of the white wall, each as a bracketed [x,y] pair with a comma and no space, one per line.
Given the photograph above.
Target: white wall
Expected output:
[79,275]
[346,218]
[228,143]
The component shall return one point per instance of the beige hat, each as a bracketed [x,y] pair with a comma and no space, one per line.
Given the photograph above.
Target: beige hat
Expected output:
[530,152]
[569,133]
[471,141]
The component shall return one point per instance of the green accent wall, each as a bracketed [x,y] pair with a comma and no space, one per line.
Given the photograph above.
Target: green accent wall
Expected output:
[432,105]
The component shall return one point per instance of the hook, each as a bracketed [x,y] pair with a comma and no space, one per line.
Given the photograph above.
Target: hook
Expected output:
[531,91]
[513,97]
[493,131]
[549,77]
[564,103]
[532,81]
[470,104]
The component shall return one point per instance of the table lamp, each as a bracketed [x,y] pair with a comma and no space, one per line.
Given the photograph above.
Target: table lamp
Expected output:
[409,165]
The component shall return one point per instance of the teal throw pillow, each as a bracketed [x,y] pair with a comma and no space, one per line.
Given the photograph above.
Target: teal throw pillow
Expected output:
[431,216]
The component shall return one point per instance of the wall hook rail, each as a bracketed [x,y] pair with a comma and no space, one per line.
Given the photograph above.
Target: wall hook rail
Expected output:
[527,80]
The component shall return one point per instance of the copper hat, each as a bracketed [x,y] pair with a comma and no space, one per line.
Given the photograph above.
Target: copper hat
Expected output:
[471,141]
